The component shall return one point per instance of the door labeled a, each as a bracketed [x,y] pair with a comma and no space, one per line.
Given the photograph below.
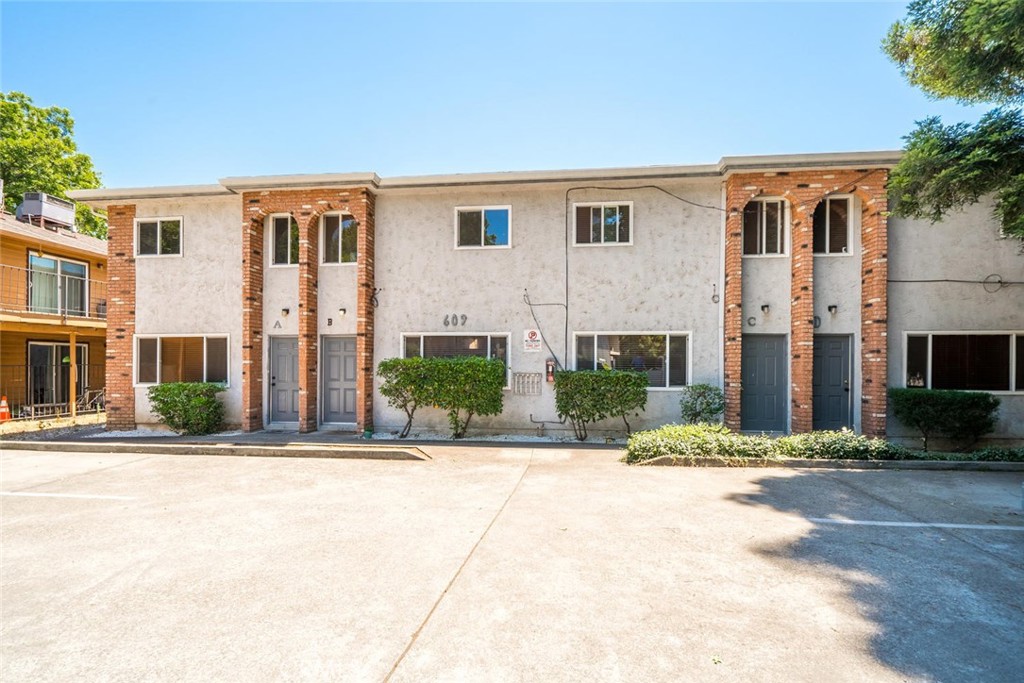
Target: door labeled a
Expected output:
[832,400]
[284,379]
[338,379]
[763,403]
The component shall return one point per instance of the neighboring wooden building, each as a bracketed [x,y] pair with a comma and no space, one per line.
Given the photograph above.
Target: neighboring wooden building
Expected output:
[53,309]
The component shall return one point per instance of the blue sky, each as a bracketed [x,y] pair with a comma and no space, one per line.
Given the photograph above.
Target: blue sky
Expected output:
[187,92]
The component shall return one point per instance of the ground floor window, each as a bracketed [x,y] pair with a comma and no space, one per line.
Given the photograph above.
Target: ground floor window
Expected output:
[978,361]
[455,345]
[662,356]
[181,359]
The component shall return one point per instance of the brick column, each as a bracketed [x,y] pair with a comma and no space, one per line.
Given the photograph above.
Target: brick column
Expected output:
[363,210]
[874,304]
[120,390]
[736,199]
[252,312]
[801,340]
[309,229]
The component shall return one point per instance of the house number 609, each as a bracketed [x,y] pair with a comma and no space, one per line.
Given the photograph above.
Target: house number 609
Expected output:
[454,320]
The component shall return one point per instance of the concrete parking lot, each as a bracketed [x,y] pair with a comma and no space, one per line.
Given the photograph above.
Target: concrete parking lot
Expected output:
[503,564]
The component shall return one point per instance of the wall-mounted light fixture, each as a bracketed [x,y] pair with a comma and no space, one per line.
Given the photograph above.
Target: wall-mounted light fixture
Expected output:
[285,312]
[342,312]
[765,308]
[833,309]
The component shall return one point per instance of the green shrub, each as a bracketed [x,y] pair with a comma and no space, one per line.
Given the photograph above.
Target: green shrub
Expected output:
[586,396]
[466,387]
[404,384]
[841,445]
[188,407]
[963,416]
[696,441]
[463,387]
[702,403]
[998,454]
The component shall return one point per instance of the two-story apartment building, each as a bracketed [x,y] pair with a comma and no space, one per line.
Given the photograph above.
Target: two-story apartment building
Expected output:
[782,279]
[53,305]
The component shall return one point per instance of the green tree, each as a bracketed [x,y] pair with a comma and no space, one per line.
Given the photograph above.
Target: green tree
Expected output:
[971,51]
[38,153]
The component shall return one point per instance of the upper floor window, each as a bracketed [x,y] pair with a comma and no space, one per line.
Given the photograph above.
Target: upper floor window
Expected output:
[340,236]
[57,285]
[832,226]
[284,235]
[980,362]
[764,227]
[662,357]
[484,226]
[158,237]
[603,223]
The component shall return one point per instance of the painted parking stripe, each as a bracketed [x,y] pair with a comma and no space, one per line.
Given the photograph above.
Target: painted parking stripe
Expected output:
[916,525]
[85,496]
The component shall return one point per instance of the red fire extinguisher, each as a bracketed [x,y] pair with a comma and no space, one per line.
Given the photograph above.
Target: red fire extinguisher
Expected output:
[550,369]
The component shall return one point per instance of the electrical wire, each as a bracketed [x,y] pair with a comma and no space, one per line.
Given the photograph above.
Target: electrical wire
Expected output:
[526,300]
[993,279]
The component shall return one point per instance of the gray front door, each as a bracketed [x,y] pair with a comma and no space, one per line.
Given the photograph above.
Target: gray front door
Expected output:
[338,379]
[284,379]
[832,382]
[763,406]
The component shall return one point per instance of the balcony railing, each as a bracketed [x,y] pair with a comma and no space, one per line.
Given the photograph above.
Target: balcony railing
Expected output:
[35,391]
[28,290]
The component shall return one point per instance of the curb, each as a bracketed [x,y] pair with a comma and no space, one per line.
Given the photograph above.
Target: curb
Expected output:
[286,451]
[948,465]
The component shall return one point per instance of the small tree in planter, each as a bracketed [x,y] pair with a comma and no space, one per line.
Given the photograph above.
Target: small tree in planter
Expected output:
[466,387]
[188,408]
[405,386]
[702,403]
[586,396]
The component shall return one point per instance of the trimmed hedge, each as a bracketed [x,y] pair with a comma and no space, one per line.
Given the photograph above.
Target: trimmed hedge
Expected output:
[702,403]
[188,408]
[463,387]
[963,416]
[697,441]
[585,396]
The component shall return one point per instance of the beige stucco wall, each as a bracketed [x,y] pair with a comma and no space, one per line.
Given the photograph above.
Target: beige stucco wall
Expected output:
[663,282]
[199,292]
[965,246]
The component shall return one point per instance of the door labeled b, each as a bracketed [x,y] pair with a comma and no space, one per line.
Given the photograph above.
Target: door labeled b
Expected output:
[338,380]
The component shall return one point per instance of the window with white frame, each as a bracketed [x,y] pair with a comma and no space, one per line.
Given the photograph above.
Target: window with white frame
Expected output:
[284,240]
[57,285]
[604,223]
[158,236]
[764,227]
[662,357]
[456,345]
[162,359]
[483,226]
[832,226]
[971,361]
[339,237]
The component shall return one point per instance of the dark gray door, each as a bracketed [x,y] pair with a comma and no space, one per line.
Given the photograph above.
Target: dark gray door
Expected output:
[338,379]
[284,379]
[832,401]
[763,406]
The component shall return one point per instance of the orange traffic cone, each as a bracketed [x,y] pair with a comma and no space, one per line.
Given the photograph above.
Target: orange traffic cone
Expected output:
[5,410]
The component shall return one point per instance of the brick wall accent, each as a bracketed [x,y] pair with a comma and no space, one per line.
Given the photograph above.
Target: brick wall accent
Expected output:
[120,392]
[874,315]
[803,190]
[365,310]
[306,207]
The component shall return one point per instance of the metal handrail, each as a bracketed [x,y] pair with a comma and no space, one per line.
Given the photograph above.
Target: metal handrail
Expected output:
[24,290]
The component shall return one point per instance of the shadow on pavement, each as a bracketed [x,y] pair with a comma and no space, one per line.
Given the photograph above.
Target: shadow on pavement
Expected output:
[947,604]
